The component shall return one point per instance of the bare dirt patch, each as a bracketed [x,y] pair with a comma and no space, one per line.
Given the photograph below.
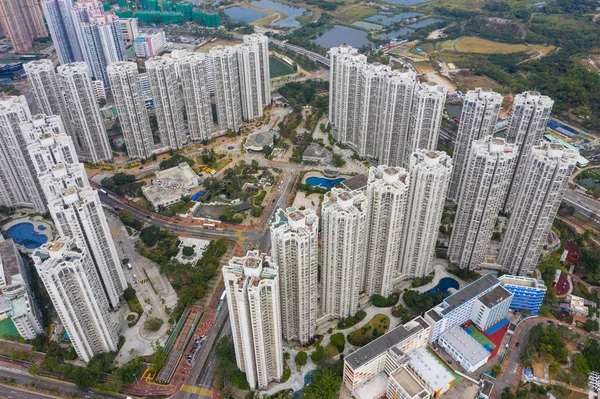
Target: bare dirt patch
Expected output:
[470,82]
[538,369]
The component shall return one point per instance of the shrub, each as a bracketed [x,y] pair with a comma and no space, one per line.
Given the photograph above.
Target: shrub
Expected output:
[339,341]
[379,301]
[301,358]
[153,325]
[188,251]
[318,355]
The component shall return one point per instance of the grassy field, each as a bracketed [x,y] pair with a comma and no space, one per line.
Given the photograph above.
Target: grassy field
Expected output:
[423,67]
[279,68]
[470,82]
[354,12]
[470,44]
[218,42]
[373,329]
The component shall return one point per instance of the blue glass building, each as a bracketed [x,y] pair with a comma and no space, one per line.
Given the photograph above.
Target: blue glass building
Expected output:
[528,293]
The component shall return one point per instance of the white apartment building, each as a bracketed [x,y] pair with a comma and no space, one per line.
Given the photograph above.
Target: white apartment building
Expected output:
[485,184]
[345,67]
[457,309]
[133,116]
[536,203]
[84,111]
[15,289]
[343,232]
[380,113]
[477,121]
[48,94]
[129,29]
[430,173]
[387,193]
[195,82]
[426,112]
[262,42]
[250,72]
[252,286]
[19,186]
[227,87]
[528,118]
[101,39]
[99,89]
[396,118]
[63,29]
[491,307]
[69,275]
[74,206]
[294,249]
[167,101]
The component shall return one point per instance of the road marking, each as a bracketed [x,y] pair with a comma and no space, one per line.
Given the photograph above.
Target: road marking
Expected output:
[197,390]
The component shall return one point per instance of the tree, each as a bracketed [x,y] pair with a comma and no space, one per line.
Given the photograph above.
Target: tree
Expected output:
[496,370]
[338,160]
[101,102]
[590,325]
[325,385]
[318,355]
[339,341]
[580,364]
[301,358]
[187,251]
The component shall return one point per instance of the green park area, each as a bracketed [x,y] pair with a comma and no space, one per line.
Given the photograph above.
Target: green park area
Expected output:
[279,67]
[8,329]
[373,329]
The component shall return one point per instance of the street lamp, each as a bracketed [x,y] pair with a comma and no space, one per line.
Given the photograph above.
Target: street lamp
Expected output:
[136,380]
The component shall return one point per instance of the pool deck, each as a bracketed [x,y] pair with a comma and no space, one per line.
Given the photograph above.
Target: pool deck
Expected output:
[439,266]
[35,221]
[320,174]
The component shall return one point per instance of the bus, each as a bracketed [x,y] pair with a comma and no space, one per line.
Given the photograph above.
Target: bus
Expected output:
[223,296]
[103,191]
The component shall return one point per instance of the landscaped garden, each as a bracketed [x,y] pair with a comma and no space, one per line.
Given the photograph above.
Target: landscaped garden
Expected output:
[370,331]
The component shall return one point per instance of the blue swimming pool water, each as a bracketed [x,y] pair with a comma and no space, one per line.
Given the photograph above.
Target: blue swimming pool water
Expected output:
[24,235]
[443,286]
[65,336]
[41,227]
[323,182]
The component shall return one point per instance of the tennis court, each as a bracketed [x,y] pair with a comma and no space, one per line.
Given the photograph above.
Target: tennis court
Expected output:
[480,338]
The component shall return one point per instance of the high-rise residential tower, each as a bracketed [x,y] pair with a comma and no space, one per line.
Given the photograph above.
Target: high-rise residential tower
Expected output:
[195,81]
[344,88]
[22,22]
[380,113]
[19,185]
[477,121]
[485,183]
[294,246]
[252,286]
[48,95]
[126,91]
[536,203]
[63,30]
[425,119]
[387,192]
[528,118]
[343,232]
[167,100]
[228,100]
[68,273]
[74,206]
[84,111]
[249,64]
[429,178]
[262,42]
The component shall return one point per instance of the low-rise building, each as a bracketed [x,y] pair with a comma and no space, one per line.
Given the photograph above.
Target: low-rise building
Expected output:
[170,185]
[368,362]
[456,309]
[491,307]
[577,305]
[317,154]
[150,44]
[405,385]
[257,141]
[464,348]
[528,293]
[434,376]
[16,298]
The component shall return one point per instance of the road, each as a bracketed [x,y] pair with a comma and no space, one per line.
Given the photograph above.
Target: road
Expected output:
[583,205]
[7,392]
[296,49]
[21,377]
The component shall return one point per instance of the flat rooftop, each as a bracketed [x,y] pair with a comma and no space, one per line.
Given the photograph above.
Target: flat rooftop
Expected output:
[374,388]
[522,281]
[383,343]
[411,385]
[495,296]
[466,345]
[355,183]
[429,369]
[9,259]
[469,292]
[314,150]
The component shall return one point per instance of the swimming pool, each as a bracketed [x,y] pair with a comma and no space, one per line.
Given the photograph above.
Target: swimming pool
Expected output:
[24,234]
[323,181]
[444,285]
